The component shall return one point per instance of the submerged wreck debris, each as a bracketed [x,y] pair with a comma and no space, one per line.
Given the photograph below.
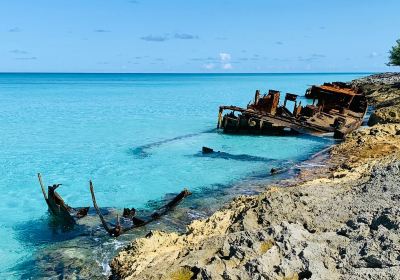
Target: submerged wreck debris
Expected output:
[336,108]
[67,214]
[58,207]
[209,152]
[129,214]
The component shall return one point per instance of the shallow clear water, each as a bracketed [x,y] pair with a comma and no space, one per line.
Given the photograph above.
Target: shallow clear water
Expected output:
[137,136]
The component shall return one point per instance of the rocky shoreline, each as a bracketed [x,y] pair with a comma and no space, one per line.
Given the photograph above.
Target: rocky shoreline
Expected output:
[339,221]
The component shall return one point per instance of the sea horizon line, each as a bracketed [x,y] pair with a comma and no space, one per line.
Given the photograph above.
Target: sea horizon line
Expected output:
[196,73]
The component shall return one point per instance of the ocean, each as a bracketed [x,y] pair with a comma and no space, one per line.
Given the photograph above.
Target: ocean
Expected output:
[139,138]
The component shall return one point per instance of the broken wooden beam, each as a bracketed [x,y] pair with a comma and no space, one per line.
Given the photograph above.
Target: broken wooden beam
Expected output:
[170,205]
[57,207]
[113,231]
[118,229]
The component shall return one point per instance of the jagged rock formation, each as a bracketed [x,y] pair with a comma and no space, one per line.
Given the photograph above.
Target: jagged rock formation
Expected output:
[386,112]
[382,91]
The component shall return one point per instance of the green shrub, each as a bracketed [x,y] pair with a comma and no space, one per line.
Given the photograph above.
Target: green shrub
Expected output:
[394,57]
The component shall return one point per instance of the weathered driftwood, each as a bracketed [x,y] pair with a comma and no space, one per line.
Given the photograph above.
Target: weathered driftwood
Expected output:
[58,207]
[116,230]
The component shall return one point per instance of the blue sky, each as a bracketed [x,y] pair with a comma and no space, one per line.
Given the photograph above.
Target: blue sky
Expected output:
[197,35]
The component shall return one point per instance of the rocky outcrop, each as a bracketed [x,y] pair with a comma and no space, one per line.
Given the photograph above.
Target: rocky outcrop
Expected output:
[388,78]
[386,112]
[342,223]
[383,92]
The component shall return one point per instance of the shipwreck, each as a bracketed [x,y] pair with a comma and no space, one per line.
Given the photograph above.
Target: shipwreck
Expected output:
[68,215]
[335,108]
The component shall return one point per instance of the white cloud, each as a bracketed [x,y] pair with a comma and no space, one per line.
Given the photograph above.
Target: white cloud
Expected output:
[209,66]
[224,62]
[225,57]
[227,66]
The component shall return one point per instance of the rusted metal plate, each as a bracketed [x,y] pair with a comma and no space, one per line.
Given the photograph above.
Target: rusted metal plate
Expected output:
[334,89]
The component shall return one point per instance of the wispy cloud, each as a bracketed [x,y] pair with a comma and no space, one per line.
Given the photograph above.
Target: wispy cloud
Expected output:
[254,57]
[225,57]
[280,60]
[311,58]
[279,42]
[222,61]
[152,38]
[185,36]
[163,38]
[16,51]
[101,31]
[26,58]
[207,59]
[15,29]
[209,66]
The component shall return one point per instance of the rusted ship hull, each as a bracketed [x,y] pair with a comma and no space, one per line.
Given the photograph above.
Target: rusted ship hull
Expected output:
[253,123]
[338,110]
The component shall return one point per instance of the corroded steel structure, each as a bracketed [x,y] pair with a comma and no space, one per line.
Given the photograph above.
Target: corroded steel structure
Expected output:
[335,107]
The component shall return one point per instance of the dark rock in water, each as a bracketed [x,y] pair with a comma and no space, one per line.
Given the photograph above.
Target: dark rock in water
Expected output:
[207,150]
[277,170]
[129,213]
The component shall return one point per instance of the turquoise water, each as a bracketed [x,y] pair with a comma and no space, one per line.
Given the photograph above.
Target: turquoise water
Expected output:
[137,136]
